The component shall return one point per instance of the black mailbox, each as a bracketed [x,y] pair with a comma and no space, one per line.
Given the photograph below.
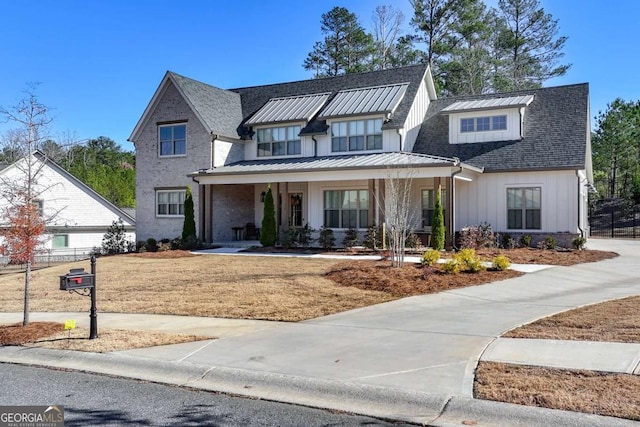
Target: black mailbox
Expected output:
[76,279]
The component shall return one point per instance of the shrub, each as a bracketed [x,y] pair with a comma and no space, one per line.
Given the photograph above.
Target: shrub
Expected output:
[350,238]
[326,239]
[413,241]
[115,240]
[151,245]
[579,242]
[469,261]
[549,242]
[290,238]
[268,236]
[508,242]
[304,235]
[430,257]
[451,266]
[141,246]
[477,236]
[525,240]
[373,238]
[437,224]
[189,224]
[501,263]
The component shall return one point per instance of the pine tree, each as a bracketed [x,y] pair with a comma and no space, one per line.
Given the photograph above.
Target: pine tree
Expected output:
[437,224]
[268,233]
[189,226]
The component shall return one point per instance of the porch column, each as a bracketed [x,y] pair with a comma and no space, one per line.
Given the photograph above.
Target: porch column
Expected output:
[277,205]
[372,202]
[381,202]
[201,212]
[448,221]
[285,206]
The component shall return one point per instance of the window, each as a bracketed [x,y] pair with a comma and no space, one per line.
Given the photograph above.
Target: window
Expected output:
[346,208]
[60,241]
[170,203]
[173,140]
[479,124]
[429,205]
[356,135]
[39,205]
[523,208]
[282,141]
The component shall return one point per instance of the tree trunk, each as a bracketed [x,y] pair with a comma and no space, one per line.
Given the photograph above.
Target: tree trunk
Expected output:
[27,283]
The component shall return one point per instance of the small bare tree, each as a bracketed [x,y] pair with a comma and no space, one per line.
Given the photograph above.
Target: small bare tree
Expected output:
[399,214]
[23,222]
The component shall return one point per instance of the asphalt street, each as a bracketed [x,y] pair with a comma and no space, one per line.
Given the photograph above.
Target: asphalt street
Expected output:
[92,400]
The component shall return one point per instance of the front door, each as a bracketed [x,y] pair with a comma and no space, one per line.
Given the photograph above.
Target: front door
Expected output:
[295,209]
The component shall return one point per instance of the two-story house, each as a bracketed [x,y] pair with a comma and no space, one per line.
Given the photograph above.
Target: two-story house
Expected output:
[328,147]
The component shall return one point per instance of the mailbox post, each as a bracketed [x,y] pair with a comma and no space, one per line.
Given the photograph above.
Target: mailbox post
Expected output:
[78,279]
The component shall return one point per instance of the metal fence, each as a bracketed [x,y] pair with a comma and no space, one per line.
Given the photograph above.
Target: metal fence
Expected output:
[615,219]
[47,259]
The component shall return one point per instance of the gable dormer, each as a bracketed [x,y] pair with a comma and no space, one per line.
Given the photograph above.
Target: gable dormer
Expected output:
[487,120]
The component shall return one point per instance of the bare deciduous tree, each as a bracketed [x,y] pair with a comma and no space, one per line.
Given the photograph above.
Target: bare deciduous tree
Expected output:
[23,220]
[399,213]
[386,26]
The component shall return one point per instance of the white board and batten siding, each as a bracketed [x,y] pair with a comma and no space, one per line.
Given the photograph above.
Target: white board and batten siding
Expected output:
[415,117]
[485,200]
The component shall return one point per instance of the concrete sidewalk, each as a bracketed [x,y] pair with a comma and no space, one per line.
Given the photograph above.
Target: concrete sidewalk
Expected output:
[411,359]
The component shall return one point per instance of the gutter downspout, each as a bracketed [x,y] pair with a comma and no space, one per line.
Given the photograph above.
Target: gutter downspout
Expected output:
[579,181]
[315,145]
[213,149]
[453,201]
[399,141]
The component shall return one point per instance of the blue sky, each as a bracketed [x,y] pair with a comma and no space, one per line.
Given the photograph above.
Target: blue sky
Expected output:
[99,62]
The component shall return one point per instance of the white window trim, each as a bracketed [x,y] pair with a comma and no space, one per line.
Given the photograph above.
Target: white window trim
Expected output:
[168,191]
[279,156]
[324,209]
[475,123]
[506,208]
[353,119]
[167,156]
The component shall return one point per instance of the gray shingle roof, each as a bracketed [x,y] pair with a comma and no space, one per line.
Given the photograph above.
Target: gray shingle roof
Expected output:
[556,126]
[219,109]
[364,161]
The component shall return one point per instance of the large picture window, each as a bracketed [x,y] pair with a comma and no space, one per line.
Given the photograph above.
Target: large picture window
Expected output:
[481,124]
[524,208]
[346,208]
[356,135]
[429,205]
[170,202]
[280,141]
[173,140]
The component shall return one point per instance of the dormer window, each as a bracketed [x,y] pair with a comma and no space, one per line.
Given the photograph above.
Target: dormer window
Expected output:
[356,135]
[479,124]
[279,141]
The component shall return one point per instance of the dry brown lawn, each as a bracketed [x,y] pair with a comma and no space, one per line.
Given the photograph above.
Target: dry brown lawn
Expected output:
[601,393]
[612,321]
[53,335]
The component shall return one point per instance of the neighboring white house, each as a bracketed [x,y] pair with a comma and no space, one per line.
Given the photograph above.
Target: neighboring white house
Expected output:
[519,161]
[77,217]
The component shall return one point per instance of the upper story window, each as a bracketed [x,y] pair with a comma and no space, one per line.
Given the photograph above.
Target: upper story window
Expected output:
[173,140]
[479,124]
[39,206]
[356,135]
[280,141]
[170,202]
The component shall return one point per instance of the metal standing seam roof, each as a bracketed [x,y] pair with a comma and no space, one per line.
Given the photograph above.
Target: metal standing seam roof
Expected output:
[289,109]
[374,161]
[380,99]
[485,104]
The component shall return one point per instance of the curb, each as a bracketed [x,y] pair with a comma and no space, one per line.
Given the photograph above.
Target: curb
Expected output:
[380,402]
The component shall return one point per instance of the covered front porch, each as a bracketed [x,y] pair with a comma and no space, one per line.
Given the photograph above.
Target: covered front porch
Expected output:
[318,193]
